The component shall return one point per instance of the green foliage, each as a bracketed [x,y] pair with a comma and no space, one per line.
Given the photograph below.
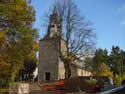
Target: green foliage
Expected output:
[118,79]
[27,72]
[17,38]
[112,65]
[91,82]
[123,62]
[101,56]
[115,60]
[3,73]
[123,76]
[88,63]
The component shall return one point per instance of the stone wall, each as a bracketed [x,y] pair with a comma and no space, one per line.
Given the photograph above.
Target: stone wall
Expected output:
[24,88]
[48,59]
[19,88]
[61,70]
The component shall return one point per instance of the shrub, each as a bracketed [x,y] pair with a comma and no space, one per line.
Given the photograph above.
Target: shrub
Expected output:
[118,79]
[79,83]
[91,82]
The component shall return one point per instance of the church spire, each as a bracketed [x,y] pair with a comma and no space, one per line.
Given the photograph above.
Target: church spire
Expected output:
[54,10]
[54,15]
[54,24]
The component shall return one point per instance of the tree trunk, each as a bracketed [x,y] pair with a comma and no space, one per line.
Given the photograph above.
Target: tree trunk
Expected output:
[67,69]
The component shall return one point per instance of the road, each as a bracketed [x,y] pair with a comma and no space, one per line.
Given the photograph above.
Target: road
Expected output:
[121,91]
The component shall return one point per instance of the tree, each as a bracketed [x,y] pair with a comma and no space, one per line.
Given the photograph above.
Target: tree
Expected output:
[101,56]
[123,62]
[115,60]
[104,70]
[88,63]
[117,63]
[17,36]
[3,73]
[26,74]
[78,36]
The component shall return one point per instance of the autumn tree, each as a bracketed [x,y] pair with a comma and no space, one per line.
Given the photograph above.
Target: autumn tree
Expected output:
[17,37]
[103,70]
[101,56]
[78,36]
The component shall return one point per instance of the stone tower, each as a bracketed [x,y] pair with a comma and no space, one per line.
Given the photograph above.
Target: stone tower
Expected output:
[48,68]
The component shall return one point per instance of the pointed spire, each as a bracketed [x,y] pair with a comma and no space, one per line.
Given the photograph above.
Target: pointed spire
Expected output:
[55,9]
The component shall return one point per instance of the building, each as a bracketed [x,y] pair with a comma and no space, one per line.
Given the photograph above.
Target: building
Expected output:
[50,66]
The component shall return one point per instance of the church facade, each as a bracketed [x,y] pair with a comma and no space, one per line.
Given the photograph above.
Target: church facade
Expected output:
[50,66]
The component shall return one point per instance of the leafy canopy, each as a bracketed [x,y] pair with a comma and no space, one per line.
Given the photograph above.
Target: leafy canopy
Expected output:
[17,37]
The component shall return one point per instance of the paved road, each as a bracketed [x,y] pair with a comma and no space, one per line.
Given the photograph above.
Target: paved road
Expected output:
[121,91]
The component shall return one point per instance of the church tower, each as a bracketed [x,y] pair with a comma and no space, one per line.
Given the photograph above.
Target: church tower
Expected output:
[54,28]
[48,67]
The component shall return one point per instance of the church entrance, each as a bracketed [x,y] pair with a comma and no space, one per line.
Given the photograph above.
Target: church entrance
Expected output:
[47,76]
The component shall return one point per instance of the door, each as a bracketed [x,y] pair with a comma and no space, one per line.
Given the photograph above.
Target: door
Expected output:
[47,76]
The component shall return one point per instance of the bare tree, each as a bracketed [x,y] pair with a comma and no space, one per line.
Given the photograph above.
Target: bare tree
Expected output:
[78,36]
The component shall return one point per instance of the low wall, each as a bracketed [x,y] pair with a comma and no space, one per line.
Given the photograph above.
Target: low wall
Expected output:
[24,88]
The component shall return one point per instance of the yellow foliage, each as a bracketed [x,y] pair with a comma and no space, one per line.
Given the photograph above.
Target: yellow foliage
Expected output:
[3,67]
[2,34]
[103,70]
[16,37]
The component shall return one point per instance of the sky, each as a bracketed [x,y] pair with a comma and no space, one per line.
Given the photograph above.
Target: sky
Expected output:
[107,18]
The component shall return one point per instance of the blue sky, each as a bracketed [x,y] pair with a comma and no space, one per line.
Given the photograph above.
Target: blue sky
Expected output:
[107,18]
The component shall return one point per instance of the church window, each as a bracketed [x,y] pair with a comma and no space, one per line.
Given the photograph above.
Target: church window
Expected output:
[52,26]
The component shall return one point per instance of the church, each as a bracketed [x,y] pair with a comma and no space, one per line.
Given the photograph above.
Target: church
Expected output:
[51,67]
